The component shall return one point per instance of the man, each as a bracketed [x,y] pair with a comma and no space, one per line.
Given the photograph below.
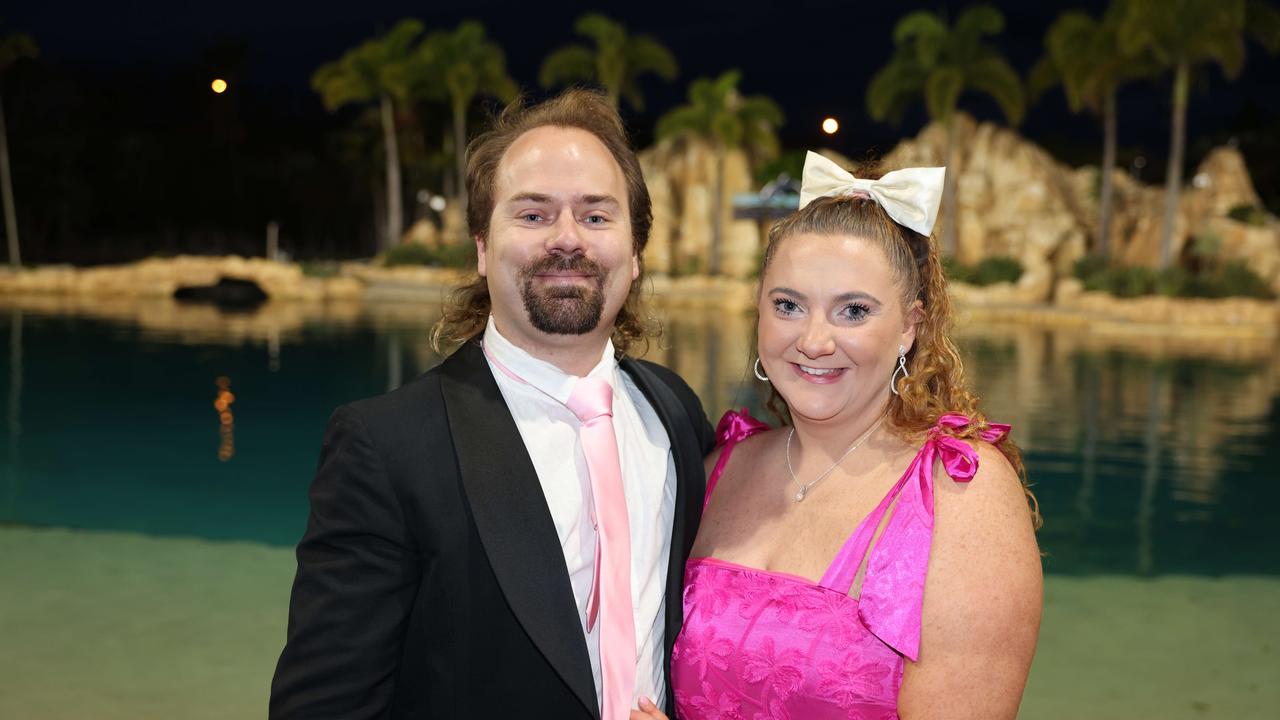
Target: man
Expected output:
[466,533]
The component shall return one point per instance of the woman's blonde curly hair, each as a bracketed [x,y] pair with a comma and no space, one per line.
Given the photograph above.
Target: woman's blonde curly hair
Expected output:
[936,384]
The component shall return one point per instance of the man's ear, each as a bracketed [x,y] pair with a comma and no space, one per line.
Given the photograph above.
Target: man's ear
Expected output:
[480,246]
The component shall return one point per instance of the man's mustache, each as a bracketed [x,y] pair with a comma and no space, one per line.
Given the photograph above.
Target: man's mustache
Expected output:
[579,264]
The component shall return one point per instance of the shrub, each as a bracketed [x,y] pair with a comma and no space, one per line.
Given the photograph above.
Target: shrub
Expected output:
[996,269]
[1089,270]
[455,255]
[988,271]
[1239,280]
[1248,214]
[319,268]
[954,271]
[1234,279]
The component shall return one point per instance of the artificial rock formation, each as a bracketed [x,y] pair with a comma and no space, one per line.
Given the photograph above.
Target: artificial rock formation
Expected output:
[681,175]
[1014,200]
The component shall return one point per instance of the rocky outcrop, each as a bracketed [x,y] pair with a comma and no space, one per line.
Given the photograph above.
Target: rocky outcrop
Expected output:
[681,176]
[159,277]
[1014,199]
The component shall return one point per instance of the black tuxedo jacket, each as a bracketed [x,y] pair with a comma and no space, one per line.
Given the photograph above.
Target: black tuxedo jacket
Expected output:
[431,582]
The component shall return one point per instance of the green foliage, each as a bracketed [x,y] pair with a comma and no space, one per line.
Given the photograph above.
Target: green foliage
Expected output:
[617,61]
[1233,279]
[717,112]
[319,269]
[1194,32]
[453,255]
[370,70]
[1089,58]
[1249,215]
[939,63]
[790,162]
[988,271]
[14,47]
[459,64]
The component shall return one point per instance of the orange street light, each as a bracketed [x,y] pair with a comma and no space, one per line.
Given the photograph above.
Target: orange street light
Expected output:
[830,126]
[219,85]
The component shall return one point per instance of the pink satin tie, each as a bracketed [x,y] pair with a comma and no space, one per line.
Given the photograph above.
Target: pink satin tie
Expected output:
[592,402]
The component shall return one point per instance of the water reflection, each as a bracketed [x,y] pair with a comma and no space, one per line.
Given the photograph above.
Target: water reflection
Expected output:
[1149,455]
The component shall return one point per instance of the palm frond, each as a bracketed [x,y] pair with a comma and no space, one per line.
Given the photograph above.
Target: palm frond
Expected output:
[566,65]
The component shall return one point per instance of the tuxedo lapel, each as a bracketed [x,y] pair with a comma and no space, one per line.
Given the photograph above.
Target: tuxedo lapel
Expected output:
[690,482]
[513,519]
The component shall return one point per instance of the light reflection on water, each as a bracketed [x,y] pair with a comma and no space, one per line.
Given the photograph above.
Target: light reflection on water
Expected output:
[1149,456]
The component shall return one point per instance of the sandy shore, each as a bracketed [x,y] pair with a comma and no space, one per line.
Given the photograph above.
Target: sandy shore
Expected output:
[111,625]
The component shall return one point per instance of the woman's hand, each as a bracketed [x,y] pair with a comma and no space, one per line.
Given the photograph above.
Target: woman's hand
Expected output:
[647,711]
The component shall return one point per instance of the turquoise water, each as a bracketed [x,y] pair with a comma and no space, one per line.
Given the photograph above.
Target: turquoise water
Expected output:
[1144,465]
[146,546]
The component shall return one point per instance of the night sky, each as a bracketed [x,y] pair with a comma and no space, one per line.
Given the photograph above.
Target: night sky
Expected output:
[150,64]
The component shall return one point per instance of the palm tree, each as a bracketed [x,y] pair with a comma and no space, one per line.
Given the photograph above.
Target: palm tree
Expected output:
[1183,35]
[1086,57]
[366,74]
[13,47]
[457,66]
[616,63]
[719,114]
[940,63]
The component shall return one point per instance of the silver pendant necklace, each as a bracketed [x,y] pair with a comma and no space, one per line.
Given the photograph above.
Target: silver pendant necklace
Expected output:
[806,487]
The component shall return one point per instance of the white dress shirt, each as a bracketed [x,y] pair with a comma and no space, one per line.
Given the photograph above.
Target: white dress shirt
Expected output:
[547,428]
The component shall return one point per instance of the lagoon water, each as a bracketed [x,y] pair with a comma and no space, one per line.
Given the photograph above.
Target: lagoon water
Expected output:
[146,539]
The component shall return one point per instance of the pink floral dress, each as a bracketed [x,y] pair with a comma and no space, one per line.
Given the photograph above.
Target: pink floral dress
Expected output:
[759,644]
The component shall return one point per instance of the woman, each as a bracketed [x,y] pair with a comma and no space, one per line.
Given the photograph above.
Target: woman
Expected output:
[853,319]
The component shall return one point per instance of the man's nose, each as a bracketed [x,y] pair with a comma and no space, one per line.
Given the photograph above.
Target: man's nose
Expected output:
[566,235]
[816,340]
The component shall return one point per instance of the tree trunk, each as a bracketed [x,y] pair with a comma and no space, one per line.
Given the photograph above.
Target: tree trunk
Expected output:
[460,151]
[446,146]
[6,189]
[950,222]
[1107,192]
[395,213]
[717,210]
[1177,144]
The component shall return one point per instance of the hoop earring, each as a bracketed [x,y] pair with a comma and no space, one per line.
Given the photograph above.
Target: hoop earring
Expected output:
[902,368]
[755,369]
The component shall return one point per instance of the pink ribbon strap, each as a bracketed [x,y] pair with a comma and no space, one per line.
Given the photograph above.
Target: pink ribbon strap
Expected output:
[734,427]
[893,588]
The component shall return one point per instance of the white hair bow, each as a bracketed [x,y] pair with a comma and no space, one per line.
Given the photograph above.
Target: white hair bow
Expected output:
[909,196]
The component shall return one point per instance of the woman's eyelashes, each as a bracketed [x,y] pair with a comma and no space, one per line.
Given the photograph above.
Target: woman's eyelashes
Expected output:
[856,311]
[853,312]
[785,306]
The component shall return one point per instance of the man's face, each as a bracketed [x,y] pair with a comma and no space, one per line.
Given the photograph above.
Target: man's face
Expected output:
[559,257]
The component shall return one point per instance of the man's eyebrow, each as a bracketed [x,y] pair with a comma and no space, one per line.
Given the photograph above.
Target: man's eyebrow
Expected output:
[542,198]
[529,197]
[599,200]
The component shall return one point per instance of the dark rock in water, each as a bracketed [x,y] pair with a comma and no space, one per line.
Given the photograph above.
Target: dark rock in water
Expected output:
[229,293]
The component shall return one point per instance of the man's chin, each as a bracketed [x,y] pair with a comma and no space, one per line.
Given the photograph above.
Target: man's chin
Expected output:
[564,315]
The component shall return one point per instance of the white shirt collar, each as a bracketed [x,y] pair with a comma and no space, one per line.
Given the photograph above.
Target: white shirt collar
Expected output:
[541,374]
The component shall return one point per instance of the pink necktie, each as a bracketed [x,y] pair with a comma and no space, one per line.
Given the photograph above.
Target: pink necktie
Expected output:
[592,402]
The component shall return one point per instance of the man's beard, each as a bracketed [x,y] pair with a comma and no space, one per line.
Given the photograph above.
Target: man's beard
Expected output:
[563,309]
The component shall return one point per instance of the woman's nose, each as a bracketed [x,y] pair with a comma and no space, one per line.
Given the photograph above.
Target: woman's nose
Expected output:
[816,340]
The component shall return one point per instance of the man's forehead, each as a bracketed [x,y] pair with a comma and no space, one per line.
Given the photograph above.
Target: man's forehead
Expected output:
[551,148]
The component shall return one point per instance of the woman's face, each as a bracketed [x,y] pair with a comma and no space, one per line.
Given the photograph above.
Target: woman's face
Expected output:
[831,321]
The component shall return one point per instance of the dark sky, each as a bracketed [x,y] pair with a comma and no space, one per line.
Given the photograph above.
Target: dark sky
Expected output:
[814,58]
[121,150]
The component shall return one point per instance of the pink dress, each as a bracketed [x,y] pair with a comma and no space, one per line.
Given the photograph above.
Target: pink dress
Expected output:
[759,644]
